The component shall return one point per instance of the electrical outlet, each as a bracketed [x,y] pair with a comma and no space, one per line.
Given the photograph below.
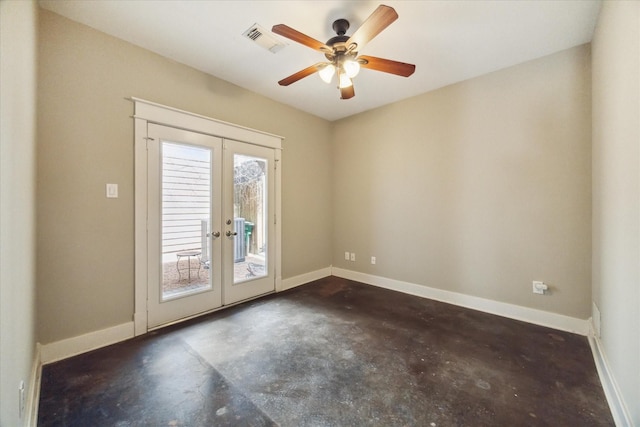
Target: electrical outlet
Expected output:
[596,320]
[373,260]
[112,191]
[353,256]
[539,287]
[21,400]
[347,256]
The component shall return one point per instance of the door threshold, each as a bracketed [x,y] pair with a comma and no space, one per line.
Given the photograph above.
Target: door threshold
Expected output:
[204,313]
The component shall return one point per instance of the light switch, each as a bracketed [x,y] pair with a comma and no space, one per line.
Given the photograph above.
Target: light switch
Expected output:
[112,191]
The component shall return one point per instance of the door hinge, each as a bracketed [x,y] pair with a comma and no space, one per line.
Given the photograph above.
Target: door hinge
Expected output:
[146,142]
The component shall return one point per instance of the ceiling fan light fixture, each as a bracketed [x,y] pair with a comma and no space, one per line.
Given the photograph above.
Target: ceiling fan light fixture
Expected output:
[345,81]
[351,68]
[342,52]
[326,74]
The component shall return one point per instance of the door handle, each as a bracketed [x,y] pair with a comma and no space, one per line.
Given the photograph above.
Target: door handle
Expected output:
[229,233]
[216,234]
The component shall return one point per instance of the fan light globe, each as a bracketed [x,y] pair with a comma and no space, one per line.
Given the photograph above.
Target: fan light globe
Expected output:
[326,74]
[351,68]
[345,81]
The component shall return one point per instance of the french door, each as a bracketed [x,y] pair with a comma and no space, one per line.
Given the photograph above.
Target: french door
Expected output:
[210,225]
[248,221]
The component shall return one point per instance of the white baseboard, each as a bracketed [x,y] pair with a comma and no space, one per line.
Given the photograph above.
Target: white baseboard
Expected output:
[81,344]
[512,311]
[292,282]
[617,406]
[63,349]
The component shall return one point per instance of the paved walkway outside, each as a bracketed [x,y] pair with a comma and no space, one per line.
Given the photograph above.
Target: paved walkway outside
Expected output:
[174,284]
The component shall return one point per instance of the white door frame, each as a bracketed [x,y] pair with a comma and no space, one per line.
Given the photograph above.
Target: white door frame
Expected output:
[146,112]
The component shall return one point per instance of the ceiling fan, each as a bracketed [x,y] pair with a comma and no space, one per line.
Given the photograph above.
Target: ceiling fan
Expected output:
[341,52]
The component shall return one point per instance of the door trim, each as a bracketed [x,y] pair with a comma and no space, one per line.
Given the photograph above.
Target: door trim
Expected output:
[146,112]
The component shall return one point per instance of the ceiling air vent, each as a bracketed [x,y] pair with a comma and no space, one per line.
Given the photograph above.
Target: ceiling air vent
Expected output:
[263,38]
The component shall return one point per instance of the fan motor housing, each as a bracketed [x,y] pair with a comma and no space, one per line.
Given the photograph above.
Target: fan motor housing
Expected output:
[339,43]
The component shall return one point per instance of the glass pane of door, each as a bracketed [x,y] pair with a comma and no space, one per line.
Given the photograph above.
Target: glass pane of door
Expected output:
[186,217]
[250,217]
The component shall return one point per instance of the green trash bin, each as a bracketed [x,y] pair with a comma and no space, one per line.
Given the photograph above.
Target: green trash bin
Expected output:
[248,231]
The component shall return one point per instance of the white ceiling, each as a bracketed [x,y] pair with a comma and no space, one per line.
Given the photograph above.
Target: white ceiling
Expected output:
[448,41]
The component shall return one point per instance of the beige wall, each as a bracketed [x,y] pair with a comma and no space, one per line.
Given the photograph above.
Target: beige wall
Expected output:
[616,193]
[477,188]
[85,139]
[18,26]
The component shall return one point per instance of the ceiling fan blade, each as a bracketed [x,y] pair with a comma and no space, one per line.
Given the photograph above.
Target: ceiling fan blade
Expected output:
[301,74]
[297,36]
[347,92]
[380,19]
[386,65]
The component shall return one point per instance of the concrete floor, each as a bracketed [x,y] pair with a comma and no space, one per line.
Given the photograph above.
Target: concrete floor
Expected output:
[333,353]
